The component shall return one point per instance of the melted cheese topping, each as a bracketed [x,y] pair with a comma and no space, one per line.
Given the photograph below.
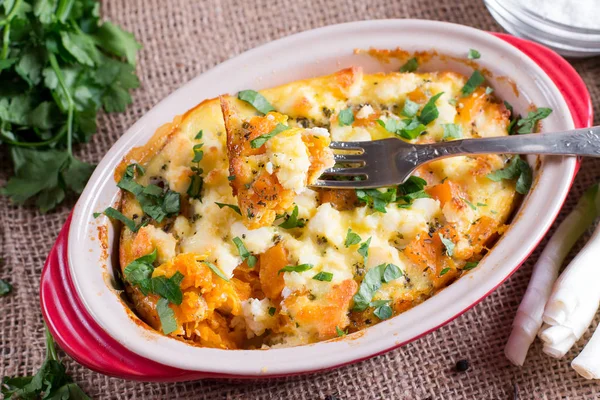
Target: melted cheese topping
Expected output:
[262,306]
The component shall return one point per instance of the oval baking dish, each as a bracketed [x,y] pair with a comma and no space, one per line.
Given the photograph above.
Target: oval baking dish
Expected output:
[515,77]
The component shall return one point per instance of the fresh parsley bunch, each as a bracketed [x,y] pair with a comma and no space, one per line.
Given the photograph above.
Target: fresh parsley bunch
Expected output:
[59,64]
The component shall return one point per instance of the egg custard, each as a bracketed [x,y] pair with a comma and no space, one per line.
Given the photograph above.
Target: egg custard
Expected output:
[225,244]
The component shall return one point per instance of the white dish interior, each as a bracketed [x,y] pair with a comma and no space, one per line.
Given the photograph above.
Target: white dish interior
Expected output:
[324,51]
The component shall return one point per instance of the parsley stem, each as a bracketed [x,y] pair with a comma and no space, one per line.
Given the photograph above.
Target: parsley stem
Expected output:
[11,13]
[53,139]
[70,105]
[5,40]
[50,348]
[63,10]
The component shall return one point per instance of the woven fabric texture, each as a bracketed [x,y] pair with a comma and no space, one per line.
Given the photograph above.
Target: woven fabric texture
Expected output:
[183,38]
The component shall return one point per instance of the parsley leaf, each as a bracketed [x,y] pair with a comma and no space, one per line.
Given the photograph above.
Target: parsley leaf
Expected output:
[346,117]
[472,83]
[517,169]
[232,206]
[166,315]
[340,332]
[410,108]
[199,135]
[430,111]
[115,214]
[168,288]
[272,311]
[139,271]
[391,272]
[262,139]
[452,131]
[363,250]
[351,238]
[529,123]
[217,271]
[412,189]
[470,265]
[256,100]
[244,253]
[296,268]
[198,154]
[370,284]
[448,244]
[292,221]
[444,271]
[383,311]
[377,199]
[5,288]
[323,276]
[410,66]
[474,54]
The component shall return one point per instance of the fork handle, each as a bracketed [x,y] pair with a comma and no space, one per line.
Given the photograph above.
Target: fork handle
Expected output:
[577,142]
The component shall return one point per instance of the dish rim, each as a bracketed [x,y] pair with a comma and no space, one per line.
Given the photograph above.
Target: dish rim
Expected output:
[244,362]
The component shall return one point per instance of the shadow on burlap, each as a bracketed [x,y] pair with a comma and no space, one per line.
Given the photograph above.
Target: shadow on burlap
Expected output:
[184,38]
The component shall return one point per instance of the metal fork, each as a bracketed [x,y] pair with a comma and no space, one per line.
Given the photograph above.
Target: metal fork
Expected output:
[391,161]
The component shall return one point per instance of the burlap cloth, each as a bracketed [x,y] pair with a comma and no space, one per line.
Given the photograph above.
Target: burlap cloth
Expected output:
[183,39]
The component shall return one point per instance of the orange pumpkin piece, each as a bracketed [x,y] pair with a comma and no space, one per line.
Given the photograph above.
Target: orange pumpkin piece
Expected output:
[271,261]
[340,199]
[444,192]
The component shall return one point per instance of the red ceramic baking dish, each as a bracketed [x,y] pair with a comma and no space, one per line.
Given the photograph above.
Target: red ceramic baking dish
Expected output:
[91,323]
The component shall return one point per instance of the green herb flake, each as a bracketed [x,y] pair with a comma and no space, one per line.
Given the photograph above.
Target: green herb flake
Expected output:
[296,268]
[217,271]
[262,139]
[430,111]
[166,315]
[363,250]
[471,205]
[129,223]
[411,190]
[452,131]
[376,198]
[256,100]
[5,287]
[391,272]
[168,288]
[529,123]
[410,66]
[444,271]
[383,312]
[410,108]
[231,178]
[470,265]
[481,205]
[244,253]
[351,238]
[199,135]
[323,276]
[448,244]
[198,153]
[232,206]
[139,271]
[489,90]
[340,332]
[370,284]
[272,311]
[517,169]
[292,221]
[473,83]
[346,117]
[473,54]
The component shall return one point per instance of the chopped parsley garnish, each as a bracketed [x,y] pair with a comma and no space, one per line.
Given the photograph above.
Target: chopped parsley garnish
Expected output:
[489,90]
[292,221]
[470,265]
[448,244]
[256,100]
[473,54]
[481,205]
[444,271]
[410,108]
[232,206]
[363,250]
[244,253]
[196,184]
[469,203]
[407,129]
[351,238]
[371,283]
[377,199]
[410,66]
[231,178]
[382,309]
[139,273]
[452,131]
[296,268]
[411,190]
[513,118]
[198,135]
[272,311]
[166,315]
[529,123]
[340,332]
[430,111]
[5,287]
[198,153]
[517,169]
[155,202]
[346,117]
[116,214]
[323,276]
[473,83]
[216,270]
[262,139]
